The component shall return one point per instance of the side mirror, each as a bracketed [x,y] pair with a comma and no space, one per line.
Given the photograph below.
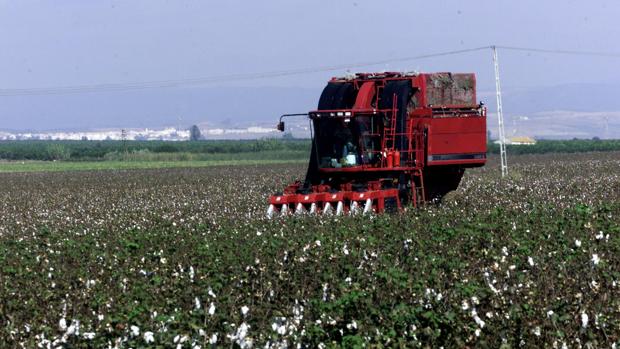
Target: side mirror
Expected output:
[280,126]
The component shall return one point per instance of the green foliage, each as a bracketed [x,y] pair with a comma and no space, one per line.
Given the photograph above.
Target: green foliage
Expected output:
[147,155]
[559,146]
[56,151]
[194,133]
[134,163]
[97,150]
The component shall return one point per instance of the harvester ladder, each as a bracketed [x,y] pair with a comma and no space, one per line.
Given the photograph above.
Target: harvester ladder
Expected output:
[389,131]
[417,186]
[416,145]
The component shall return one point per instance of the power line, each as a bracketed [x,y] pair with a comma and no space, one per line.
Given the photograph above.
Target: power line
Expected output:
[270,74]
[212,79]
[565,52]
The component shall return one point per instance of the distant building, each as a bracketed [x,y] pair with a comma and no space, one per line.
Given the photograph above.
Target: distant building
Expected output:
[519,140]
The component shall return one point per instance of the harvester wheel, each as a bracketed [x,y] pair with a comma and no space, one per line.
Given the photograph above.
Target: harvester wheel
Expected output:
[440,181]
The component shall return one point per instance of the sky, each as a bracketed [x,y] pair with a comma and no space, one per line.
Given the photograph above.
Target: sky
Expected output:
[49,44]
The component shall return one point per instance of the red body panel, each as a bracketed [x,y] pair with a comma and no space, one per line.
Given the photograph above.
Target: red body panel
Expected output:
[456,136]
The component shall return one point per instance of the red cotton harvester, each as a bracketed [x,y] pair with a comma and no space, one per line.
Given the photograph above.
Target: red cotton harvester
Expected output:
[385,140]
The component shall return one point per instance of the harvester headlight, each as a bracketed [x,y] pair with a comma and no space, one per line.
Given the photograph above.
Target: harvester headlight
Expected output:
[347,113]
[340,113]
[332,114]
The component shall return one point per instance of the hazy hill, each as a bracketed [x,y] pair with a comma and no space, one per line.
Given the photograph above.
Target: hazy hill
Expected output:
[572,110]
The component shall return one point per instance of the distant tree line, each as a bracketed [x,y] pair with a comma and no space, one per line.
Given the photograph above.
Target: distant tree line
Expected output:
[97,150]
[559,146]
[102,150]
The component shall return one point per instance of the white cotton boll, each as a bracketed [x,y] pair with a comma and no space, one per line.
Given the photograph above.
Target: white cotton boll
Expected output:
[352,325]
[89,335]
[279,326]
[406,243]
[62,324]
[537,331]
[197,303]
[135,330]
[584,320]
[148,337]
[318,243]
[74,328]
[530,261]
[594,284]
[477,332]
[578,243]
[211,309]
[595,259]
[479,321]
[213,339]
[244,310]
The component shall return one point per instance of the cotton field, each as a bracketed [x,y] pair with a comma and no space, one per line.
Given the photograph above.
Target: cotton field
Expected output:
[185,258]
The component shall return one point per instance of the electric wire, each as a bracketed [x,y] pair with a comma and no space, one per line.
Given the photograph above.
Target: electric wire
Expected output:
[214,79]
[270,74]
[566,52]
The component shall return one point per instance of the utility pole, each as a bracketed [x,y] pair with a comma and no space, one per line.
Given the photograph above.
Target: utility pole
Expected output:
[500,115]
[124,139]
[606,133]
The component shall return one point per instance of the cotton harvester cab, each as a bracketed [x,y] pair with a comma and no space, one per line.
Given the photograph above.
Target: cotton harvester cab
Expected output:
[385,140]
